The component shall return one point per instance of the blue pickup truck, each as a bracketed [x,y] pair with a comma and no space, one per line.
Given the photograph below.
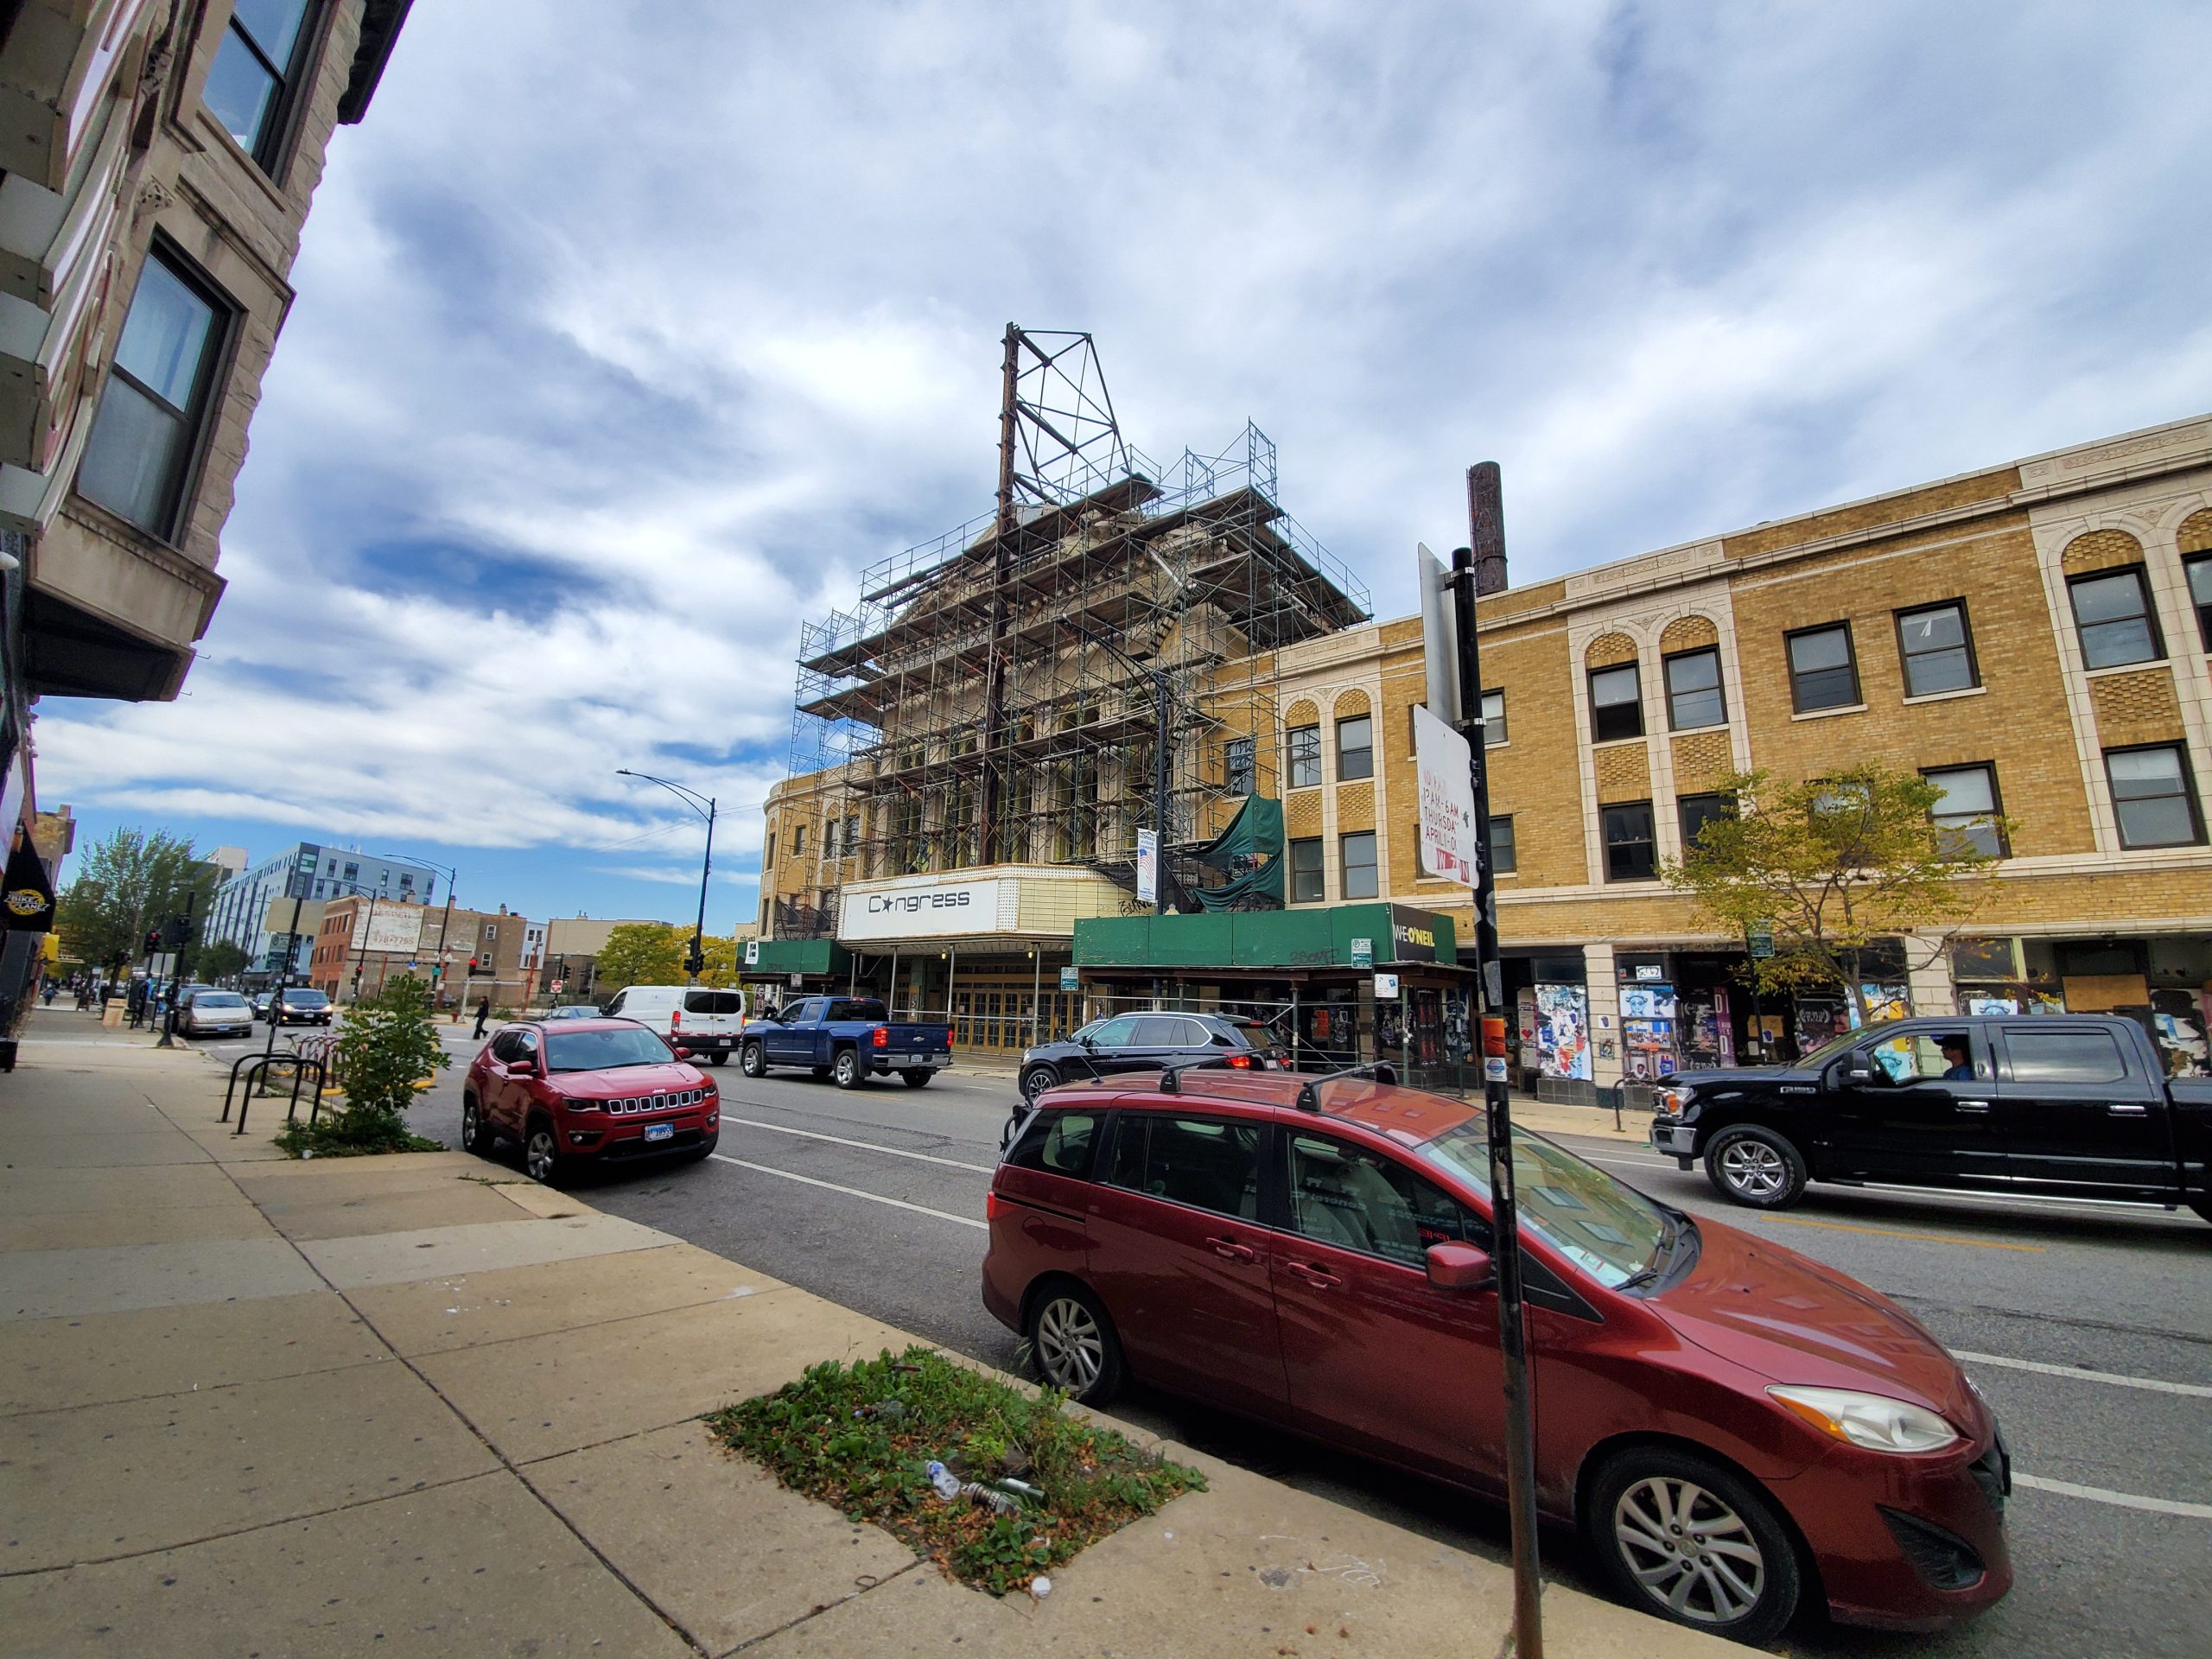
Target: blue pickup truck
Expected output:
[849,1038]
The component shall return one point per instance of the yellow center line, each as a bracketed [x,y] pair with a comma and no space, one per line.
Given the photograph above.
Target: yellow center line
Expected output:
[1892,1232]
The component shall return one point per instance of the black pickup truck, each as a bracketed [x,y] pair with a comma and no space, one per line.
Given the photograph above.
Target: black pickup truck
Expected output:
[2062,1106]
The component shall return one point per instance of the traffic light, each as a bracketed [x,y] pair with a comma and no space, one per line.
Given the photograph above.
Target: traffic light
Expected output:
[152,940]
[177,932]
[694,963]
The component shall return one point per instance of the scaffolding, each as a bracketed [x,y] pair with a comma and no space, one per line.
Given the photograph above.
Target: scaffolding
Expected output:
[994,696]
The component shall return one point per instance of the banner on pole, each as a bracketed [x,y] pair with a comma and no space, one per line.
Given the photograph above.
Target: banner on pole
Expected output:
[1148,866]
[1442,764]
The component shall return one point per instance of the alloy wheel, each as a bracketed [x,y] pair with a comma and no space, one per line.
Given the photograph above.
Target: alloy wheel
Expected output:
[472,1131]
[1071,1348]
[1689,1550]
[539,1156]
[1037,1082]
[1753,1168]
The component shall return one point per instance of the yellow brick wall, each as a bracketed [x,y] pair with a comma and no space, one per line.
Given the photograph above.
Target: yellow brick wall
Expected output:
[1532,778]
[1687,633]
[1985,487]
[2196,533]
[2020,722]
[1356,807]
[1301,814]
[1349,705]
[1701,760]
[2136,707]
[1609,649]
[1623,773]
[2100,549]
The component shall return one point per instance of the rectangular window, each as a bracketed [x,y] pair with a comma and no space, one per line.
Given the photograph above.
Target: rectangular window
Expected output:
[1359,865]
[249,85]
[155,399]
[798,841]
[1630,853]
[1355,748]
[1698,810]
[2153,796]
[1238,771]
[1501,845]
[2200,594]
[1936,648]
[1493,719]
[1203,1162]
[1306,882]
[1967,813]
[1615,703]
[1305,756]
[768,856]
[2112,610]
[1693,696]
[1823,672]
[2078,1057]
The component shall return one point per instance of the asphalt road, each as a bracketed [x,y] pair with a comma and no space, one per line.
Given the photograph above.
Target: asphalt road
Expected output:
[875,1199]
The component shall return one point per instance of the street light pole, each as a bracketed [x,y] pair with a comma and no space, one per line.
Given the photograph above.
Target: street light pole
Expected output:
[1486,527]
[691,799]
[361,960]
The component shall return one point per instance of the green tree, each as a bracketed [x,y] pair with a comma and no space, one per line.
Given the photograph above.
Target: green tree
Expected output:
[221,960]
[133,880]
[388,1045]
[642,953]
[1829,865]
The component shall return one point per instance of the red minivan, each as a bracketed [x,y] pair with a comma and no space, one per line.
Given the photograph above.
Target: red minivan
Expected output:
[1734,1429]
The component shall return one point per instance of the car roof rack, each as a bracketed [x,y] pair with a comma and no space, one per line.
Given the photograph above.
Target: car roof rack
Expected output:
[1309,1092]
[1168,1074]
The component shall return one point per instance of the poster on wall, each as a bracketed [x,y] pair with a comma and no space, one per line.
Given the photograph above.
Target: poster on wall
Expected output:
[1563,1031]
[1884,1002]
[1818,1022]
[1647,1002]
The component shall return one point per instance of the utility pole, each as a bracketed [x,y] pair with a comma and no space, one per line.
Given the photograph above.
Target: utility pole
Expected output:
[1486,530]
[361,960]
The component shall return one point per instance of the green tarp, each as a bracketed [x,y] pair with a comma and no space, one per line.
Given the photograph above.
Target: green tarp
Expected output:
[1254,832]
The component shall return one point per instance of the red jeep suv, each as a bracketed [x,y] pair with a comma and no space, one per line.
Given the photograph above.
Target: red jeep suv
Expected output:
[1733,1427]
[575,1090]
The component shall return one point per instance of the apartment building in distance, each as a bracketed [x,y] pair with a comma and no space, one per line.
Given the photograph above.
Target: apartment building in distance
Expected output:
[157,161]
[254,909]
[2032,636]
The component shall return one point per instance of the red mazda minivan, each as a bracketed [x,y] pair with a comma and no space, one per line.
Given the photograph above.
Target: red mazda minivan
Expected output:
[1735,1429]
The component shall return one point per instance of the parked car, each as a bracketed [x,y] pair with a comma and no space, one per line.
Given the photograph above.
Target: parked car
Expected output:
[705,1022]
[574,1091]
[851,1039]
[577,1011]
[2065,1106]
[1145,1042]
[298,1005]
[207,1011]
[1718,1415]
[259,1003]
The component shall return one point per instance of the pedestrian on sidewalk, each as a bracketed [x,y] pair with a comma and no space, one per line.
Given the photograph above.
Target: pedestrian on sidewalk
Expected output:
[52,986]
[483,1014]
[134,1003]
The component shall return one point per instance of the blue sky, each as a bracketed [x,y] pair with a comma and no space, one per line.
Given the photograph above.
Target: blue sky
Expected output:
[627,333]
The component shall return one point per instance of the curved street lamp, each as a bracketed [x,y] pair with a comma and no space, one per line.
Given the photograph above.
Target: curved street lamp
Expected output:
[704,806]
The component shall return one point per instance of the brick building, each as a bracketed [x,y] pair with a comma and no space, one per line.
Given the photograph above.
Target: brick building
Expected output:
[2033,636]
[379,940]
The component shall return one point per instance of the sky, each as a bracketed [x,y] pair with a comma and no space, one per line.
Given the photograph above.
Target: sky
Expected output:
[628,332]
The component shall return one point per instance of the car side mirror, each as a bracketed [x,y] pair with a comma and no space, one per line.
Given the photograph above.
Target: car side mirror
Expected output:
[1459,1266]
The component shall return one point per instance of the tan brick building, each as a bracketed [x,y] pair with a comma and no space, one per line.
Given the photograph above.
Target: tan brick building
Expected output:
[2034,636]
[379,940]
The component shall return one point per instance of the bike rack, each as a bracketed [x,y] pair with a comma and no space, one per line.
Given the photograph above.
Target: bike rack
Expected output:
[255,1066]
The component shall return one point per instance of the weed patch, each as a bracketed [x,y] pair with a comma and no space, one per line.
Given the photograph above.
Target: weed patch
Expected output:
[1037,1484]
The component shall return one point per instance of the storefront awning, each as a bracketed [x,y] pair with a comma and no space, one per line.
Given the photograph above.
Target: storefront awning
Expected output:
[1355,936]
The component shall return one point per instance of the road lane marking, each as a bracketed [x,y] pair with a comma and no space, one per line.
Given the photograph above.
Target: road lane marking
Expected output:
[2123,1500]
[865,1146]
[2196,1390]
[1944,1193]
[1893,1232]
[853,1191]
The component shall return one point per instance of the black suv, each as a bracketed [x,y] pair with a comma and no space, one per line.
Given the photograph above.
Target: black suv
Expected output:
[1146,1042]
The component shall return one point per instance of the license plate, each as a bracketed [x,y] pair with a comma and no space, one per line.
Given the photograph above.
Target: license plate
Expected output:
[660,1131]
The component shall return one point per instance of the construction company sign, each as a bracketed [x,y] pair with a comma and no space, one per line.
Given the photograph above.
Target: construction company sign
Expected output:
[394,929]
[1448,848]
[929,910]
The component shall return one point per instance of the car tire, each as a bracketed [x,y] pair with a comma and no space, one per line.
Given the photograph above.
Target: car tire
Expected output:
[751,1061]
[2203,1208]
[542,1160]
[846,1069]
[476,1136]
[1072,1346]
[1755,1167]
[1037,1079]
[1728,1567]
[720,1058]
[918,1077]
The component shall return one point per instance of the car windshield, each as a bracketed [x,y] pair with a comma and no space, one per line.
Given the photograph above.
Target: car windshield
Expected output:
[1608,1231]
[1830,1049]
[305,999]
[218,999]
[604,1050]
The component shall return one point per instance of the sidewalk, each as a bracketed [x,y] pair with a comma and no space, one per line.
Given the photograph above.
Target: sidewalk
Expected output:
[417,1405]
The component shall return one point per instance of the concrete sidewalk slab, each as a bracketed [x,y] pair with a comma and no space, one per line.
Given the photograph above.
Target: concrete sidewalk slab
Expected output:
[45,1191]
[61,1363]
[345,1178]
[121,1479]
[539,1396]
[451,1202]
[138,1148]
[441,1252]
[889,1622]
[431,1315]
[674,1514]
[475,1570]
[171,1224]
[111,1279]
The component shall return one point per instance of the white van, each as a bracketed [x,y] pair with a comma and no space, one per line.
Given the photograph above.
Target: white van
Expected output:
[705,1022]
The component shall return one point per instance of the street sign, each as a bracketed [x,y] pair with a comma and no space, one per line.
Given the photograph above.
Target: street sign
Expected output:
[1444,775]
[1147,866]
[752,953]
[1440,636]
[1386,987]
[1070,979]
[1362,953]
[1760,943]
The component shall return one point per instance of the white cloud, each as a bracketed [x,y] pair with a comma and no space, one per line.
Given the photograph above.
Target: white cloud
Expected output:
[609,368]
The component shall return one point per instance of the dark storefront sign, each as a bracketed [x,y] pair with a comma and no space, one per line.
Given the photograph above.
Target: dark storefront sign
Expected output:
[27,897]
